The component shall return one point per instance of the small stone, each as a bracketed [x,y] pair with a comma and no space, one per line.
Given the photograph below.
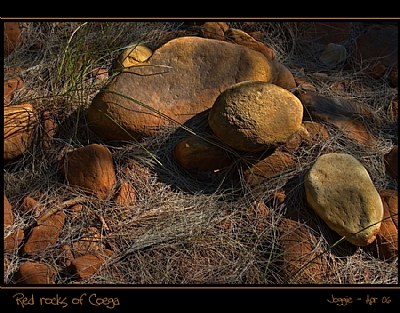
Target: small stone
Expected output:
[86,265]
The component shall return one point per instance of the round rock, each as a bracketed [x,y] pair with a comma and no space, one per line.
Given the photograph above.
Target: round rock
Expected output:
[253,115]
[339,189]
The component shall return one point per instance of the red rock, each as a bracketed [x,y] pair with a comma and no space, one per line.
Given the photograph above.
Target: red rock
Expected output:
[12,37]
[13,241]
[387,237]
[19,122]
[194,153]
[300,262]
[126,195]
[91,168]
[86,265]
[8,214]
[275,164]
[35,273]
[45,235]
[10,86]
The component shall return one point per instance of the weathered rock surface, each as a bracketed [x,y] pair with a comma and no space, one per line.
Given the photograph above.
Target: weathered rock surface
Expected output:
[8,214]
[19,121]
[253,116]
[193,153]
[214,30]
[91,168]
[339,189]
[182,78]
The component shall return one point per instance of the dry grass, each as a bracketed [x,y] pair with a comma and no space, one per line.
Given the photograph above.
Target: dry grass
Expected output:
[184,228]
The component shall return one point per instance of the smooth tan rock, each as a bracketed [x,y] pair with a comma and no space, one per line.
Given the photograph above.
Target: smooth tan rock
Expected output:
[19,121]
[273,165]
[194,153]
[91,168]
[45,235]
[135,55]
[387,238]
[182,78]
[253,116]
[340,190]
[35,273]
[283,76]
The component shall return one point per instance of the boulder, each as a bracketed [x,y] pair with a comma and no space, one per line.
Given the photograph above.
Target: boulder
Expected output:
[181,79]
[340,191]
[19,122]
[13,240]
[253,116]
[91,168]
[333,55]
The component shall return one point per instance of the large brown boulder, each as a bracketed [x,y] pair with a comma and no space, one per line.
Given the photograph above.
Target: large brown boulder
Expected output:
[181,79]
[91,168]
[340,190]
[253,115]
[19,122]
